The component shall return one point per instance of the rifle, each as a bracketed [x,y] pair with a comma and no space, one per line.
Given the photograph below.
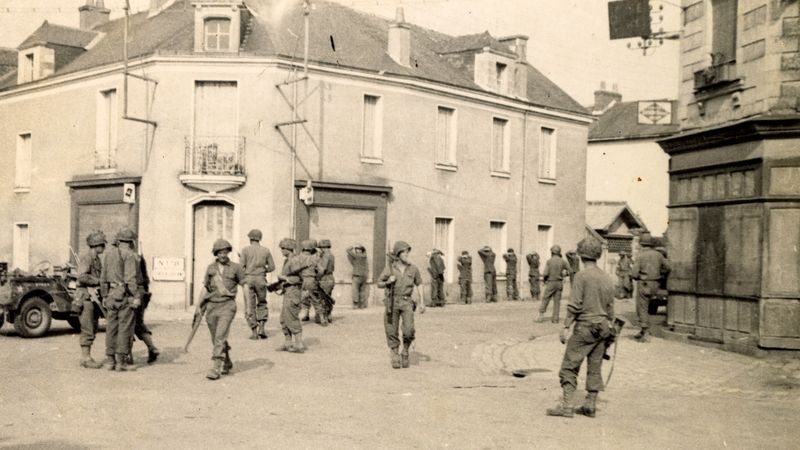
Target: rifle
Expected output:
[93,293]
[616,330]
[197,320]
[275,286]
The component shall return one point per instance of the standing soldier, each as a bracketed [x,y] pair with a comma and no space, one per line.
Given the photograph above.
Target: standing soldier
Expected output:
[310,292]
[649,269]
[554,272]
[123,298]
[401,278]
[512,292]
[489,274]
[140,330]
[256,263]
[533,274]
[290,312]
[436,270]
[357,255]
[591,309]
[327,264]
[465,277]
[574,266]
[623,272]
[221,279]
[89,273]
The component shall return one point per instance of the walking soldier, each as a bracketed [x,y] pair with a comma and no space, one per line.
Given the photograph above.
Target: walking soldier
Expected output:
[256,263]
[87,295]
[554,272]
[290,282]
[650,267]
[465,277]
[140,330]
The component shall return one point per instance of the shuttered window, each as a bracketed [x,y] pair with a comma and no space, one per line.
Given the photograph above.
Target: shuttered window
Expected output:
[682,247]
[723,40]
[23,161]
[742,249]
[547,154]
[500,145]
[372,128]
[446,136]
[106,132]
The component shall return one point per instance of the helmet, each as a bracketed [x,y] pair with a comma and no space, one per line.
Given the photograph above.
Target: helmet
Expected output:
[590,248]
[309,244]
[400,247]
[96,238]
[556,250]
[510,250]
[288,244]
[324,243]
[646,240]
[125,234]
[221,244]
[254,234]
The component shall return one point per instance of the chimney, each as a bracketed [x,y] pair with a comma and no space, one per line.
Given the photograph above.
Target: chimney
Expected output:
[400,39]
[604,99]
[93,13]
[518,44]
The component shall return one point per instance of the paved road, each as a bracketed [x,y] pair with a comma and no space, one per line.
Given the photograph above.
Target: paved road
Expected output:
[343,394]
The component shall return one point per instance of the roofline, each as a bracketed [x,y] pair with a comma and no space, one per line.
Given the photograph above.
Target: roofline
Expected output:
[634,138]
[486,97]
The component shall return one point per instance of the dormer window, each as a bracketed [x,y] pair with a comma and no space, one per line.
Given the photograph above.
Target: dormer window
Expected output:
[29,67]
[500,74]
[217,35]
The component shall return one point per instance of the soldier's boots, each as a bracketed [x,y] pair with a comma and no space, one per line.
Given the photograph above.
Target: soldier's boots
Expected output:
[227,364]
[86,359]
[254,334]
[299,346]
[287,344]
[261,332]
[396,361]
[215,372]
[564,407]
[129,358]
[109,363]
[404,358]
[589,406]
[152,350]
[121,365]
[322,319]
[304,314]
[643,335]
[540,319]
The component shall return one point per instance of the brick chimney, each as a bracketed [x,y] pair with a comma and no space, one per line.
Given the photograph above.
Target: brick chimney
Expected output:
[400,39]
[92,14]
[604,99]
[518,44]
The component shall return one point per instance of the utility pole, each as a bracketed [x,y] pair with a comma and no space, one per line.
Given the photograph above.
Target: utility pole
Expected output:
[295,117]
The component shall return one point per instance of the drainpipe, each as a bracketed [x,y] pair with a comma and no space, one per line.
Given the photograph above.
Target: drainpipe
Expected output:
[524,184]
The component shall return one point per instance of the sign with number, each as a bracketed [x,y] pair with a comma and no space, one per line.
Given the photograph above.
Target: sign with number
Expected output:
[168,269]
[129,193]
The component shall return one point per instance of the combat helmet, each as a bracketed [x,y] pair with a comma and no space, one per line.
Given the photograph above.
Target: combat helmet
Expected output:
[254,234]
[556,250]
[221,244]
[288,244]
[646,240]
[324,243]
[308,244]
[590,248]
[400,247]
[125,234]
[96,238]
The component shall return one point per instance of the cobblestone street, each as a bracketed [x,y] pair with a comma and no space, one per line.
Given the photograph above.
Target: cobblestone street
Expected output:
[343,393]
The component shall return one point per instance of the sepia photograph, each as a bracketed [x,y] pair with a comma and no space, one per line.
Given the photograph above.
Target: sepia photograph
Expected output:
[399,224]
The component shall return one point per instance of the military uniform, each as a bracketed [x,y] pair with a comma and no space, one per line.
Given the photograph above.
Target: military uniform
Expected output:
[325,268]
[119,273]
[291,325]
[221,280]
[140,329]
[533,274]
[649,268]
[89,275]
[554,271]
[574,266]
[360,274]
[436,270]
[489,274]
[512,291]
[624,284]
[310,293]
[401,305]
[465,277]
[256,262]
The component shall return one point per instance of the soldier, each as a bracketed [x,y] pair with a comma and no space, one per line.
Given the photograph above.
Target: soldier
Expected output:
[649,269]
[357,255]
[533,274]
[554,272]
[221,279]
[89,273]
[591,309]
[512,292]
[310,294]
[291,282]
[465,277]
[436,270]
[574,266]
[489,274]
[119,274]
[256,263]
[401,278]
[623,272]
[140,330]
[327,264]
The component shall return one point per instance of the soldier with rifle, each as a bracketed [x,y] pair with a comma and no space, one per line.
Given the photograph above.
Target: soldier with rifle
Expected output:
[140,330]
[124,297]
[87,296]
[325,268]
[289,284]
[649,269]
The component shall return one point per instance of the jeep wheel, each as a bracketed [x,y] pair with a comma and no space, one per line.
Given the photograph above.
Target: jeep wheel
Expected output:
[74,322]
[34,318]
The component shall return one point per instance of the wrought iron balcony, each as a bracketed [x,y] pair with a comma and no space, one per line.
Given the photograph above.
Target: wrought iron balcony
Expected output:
[214,163]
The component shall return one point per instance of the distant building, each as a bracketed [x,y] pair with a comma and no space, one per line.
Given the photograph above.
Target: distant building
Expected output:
[623,159]
[618,226]
[404,133]
[734,234]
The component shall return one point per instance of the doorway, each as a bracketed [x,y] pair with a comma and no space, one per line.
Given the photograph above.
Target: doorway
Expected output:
[212,219]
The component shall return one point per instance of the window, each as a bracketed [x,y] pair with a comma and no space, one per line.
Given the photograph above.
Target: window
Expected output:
[22,169]
[443,240]
[217,34]
[106,138]
[22,244]
[544,240]
[500,76]
[500,146]
[30,67]
[446,136]
[547,154]
[372,129]
[723,35]
[499,237]
[217,148]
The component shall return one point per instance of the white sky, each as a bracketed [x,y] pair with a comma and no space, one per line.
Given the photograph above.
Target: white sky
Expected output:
[568,38]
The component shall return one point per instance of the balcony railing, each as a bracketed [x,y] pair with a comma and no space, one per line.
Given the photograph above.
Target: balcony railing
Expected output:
[215,155]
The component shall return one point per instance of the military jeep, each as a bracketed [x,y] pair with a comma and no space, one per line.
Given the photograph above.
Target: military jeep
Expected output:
[32,300]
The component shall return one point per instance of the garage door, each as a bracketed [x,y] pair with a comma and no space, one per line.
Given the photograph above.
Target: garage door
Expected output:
[344,227]
[107,218]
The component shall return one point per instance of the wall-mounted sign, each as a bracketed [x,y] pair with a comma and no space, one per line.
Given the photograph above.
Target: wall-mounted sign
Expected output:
[129,193]
[655,113]
[168,269]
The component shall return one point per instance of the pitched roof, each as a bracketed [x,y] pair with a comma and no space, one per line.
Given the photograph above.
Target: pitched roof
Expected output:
[49,33]
[621,121]
[338,36]
[601,216]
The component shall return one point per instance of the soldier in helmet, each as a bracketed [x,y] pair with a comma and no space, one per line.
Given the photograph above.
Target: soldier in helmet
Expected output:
[436,271]
[326,266]
[554,272]
[140,330]
[291,285]
[256,263]
[401,278]
[87,294]
[649,269]
[221,279]
[533,274]
[124,296]
[623,272]
[512,291]
[465,276]
[591,310]
[310,293]
[489,274]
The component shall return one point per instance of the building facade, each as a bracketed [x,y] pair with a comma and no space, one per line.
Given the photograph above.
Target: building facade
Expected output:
[735,176]
[402,132]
